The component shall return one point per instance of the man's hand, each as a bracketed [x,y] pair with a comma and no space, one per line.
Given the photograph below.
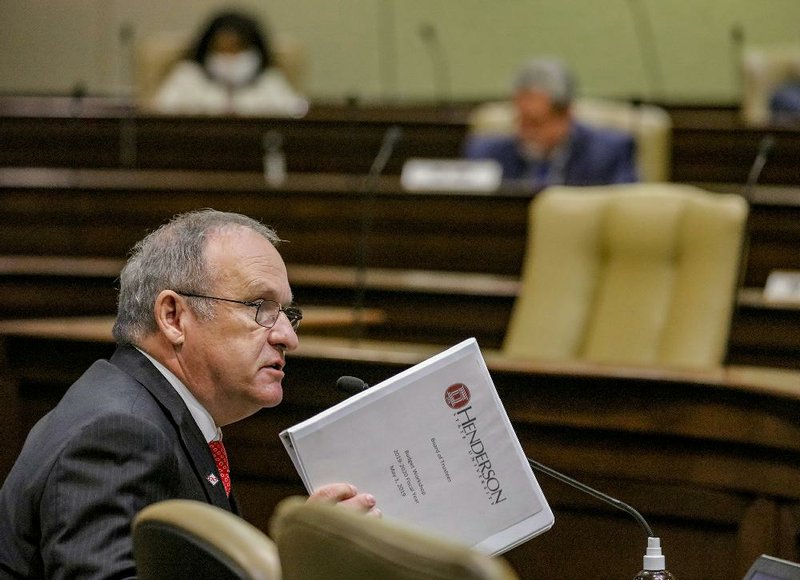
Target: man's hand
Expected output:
[346,495]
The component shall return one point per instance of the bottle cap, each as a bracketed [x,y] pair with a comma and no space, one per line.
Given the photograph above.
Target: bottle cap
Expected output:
[654,559]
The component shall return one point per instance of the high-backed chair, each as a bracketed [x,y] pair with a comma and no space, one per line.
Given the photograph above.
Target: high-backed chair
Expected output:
[318,540]
[650,126]
[155,55]
[640,274]
[178,539]
[764,69]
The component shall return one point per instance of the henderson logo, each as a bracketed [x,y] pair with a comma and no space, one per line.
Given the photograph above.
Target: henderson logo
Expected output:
[457,397]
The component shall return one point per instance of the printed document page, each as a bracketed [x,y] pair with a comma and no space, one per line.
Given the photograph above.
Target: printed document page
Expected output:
[435,447]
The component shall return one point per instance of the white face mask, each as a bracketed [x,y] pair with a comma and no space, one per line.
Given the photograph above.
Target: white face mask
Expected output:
[234,69]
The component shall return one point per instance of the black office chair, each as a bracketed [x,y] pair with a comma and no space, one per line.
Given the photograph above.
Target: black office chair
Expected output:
[179,539]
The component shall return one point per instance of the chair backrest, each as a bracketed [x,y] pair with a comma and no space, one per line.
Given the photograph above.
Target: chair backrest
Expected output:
[318,540]
[178,539]
[641,274]
[649,125]
[155,55]
[764,69]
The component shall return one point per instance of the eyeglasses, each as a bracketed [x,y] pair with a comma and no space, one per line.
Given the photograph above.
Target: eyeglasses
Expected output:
[267,311]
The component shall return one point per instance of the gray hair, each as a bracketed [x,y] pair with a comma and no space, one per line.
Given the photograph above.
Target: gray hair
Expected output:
[172,257]
[549,75]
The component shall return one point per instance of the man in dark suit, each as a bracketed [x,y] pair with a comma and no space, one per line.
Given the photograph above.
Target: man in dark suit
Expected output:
[203,327]
[550,147]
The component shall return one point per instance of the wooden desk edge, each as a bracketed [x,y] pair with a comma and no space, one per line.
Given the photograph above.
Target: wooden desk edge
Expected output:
[767,381]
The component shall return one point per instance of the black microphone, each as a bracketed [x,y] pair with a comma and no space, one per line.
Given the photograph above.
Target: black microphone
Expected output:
[354,385]
[647,48]
[274,158]
[619,504]
[78,95]
[439,62]
[387,50]
[351,385]
[390,139]
[765,147]
[127,129]
[127,58]
[737,56]
[653,559]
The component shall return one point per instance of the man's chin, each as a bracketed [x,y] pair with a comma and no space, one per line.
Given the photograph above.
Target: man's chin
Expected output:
[270,395]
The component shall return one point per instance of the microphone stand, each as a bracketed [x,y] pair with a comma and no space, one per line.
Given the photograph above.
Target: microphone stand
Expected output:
[387,49]
[441,70]
[620,505]
[653,563]
[390,138]
[765,147]
[647,50]
[127,129]
[737,57]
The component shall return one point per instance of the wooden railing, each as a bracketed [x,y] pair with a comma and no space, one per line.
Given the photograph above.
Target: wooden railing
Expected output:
[65,212]
[419,306]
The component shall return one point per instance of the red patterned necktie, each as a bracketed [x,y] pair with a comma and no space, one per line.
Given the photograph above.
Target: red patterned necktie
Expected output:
[221,459]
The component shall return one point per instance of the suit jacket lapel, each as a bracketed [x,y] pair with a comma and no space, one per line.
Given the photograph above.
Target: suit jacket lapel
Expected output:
[194,444]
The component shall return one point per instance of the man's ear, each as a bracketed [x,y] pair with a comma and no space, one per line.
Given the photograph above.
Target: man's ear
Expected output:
[171,313]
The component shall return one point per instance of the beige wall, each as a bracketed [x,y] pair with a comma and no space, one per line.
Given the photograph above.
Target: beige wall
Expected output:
[372,48]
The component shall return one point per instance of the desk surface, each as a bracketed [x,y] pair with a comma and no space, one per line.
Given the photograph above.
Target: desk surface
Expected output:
[768,381]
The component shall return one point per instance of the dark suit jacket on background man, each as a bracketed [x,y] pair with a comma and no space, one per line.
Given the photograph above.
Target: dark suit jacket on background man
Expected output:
[548,145]
[592,157]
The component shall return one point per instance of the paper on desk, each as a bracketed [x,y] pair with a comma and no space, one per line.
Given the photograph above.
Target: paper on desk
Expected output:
[435,447]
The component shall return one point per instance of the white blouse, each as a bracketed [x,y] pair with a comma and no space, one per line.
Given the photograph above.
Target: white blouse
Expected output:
[188,90]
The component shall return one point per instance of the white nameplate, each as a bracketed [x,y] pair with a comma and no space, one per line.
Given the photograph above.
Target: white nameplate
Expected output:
[783,285]
[451,175]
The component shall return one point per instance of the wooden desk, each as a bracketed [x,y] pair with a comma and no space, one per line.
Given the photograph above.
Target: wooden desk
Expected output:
[711,459]
[330,138]
[714,145]
[709,144]
[765,333]
[104,212]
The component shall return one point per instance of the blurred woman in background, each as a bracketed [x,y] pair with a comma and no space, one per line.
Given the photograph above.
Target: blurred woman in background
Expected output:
[229,69]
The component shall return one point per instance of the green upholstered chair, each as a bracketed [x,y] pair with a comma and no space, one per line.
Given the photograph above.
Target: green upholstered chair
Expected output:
[642,274]
[317,540]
